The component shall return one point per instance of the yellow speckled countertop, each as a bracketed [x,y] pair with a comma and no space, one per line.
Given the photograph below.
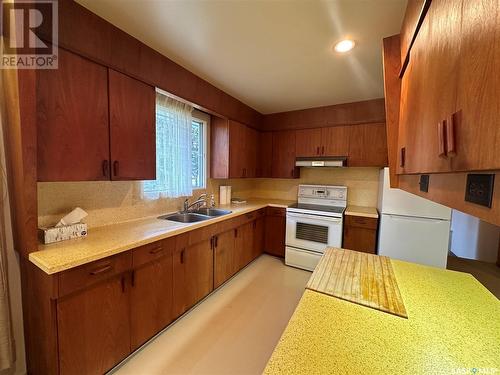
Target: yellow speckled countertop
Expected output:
[453,327]
[361,211]
[113,239]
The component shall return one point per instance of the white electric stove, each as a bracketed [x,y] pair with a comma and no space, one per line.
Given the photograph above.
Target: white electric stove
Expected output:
[314,223]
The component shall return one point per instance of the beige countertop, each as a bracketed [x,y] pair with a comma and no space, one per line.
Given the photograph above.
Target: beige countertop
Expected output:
[109,240]
[362,211]
[452,328]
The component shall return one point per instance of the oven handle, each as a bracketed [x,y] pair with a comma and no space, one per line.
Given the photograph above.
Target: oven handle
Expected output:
[330,219]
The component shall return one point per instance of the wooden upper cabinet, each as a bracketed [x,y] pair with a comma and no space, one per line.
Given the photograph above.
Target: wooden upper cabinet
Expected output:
[330,141]
[367,146]
[308,142]
[284,155]
[72,121]
[476,121]
[132,128]
[93,328]
[233,149]
[335,141]
[265,154]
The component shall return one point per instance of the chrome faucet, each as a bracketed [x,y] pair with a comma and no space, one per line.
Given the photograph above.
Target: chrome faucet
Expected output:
[200,201]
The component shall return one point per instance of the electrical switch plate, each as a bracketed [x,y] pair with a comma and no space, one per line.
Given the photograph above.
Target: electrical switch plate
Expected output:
[479,189]
[424,183]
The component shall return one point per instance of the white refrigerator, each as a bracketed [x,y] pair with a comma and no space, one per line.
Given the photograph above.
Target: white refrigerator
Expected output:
[412,228]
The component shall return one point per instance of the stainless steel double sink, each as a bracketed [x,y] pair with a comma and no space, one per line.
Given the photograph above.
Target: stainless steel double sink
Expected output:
[201,214]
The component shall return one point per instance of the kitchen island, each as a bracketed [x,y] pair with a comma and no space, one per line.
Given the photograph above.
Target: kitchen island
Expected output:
[453,327]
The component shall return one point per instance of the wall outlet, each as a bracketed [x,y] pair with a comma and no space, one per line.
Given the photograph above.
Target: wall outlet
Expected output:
[479,189]
[424,183]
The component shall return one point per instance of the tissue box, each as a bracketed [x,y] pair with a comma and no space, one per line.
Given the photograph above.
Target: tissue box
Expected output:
[67,232]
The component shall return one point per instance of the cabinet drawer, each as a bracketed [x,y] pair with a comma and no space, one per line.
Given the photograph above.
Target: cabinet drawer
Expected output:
[88,274]
[361,222]
[275,211]
[152,251]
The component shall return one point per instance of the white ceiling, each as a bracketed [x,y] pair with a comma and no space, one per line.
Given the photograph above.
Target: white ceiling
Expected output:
[272,55]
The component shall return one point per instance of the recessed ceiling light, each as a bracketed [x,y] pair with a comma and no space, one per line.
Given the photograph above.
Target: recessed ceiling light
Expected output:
[344,45]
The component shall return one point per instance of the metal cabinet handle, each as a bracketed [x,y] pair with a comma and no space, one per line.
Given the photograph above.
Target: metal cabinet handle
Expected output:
[322,150]
[216,241]
[116,166]
[317,150]
[182,257]
[102,269]
[132,278]
[402,157]
[105,168]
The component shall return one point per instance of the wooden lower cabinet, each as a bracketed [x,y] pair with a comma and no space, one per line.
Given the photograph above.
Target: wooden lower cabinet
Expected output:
[224,257]
[258,237]
[275,231]
[193,275]
[243,246]
[360,234]
[151,299]
[98,313]
[93,328]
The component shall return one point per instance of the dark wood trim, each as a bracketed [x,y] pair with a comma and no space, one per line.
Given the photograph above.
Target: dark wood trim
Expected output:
[405,55]
[19,124]
[392,92]
[79,29]
[365,112]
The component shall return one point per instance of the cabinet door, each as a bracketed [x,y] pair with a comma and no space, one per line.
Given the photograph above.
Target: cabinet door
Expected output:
[308,142]
[132,128]
[265,155]
[193,275]
[72,121]
[243,246]
[151,299]
[258,237]
[477,129]
[224,257]
[284,155]
[360,239]
[335,141]
[237,149]
[250,169]
[93,328]
[275,234]
[367,146]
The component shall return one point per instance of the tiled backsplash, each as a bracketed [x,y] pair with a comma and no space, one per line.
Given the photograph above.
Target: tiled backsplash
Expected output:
[110,202]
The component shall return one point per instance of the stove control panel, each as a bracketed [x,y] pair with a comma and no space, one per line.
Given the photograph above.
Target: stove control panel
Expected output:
[323,192]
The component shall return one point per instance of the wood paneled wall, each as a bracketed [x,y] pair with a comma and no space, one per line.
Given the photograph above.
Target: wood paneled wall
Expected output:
[85,33]
[368,111]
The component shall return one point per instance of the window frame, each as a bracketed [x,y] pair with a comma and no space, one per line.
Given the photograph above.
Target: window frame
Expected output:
[202,119]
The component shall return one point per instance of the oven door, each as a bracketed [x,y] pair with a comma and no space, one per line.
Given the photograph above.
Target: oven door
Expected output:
[313,232]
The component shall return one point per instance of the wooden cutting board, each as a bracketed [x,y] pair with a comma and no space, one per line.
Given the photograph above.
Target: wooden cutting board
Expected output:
[362,278]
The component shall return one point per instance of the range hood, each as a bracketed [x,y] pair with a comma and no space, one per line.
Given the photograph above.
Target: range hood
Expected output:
[319,162]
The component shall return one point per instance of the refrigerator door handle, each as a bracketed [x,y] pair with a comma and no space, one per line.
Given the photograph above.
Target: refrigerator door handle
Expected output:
[415,218]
